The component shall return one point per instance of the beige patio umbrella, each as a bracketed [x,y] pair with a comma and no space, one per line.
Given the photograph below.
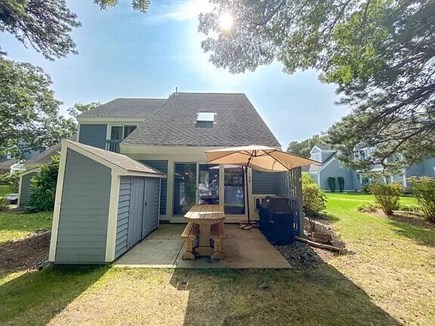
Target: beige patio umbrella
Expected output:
[257,157]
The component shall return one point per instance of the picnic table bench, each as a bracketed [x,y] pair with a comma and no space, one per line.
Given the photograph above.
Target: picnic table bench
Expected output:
[208,220]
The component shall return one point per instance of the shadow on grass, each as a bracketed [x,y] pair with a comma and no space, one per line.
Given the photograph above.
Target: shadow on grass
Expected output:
[36,297]
[315,296]
[414,227]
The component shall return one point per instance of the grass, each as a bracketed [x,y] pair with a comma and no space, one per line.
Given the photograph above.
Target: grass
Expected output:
[393,257]
[387,279]
[189,297]
[15,225]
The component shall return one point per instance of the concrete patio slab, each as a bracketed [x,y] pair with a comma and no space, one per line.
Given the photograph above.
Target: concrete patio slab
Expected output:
[242,249]
[159,250]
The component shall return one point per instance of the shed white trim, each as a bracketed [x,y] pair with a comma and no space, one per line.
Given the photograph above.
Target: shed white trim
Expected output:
[112,217]
[57,203]
[121,171]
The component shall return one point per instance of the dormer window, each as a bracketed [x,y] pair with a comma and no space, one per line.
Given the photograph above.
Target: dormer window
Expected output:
[205,117]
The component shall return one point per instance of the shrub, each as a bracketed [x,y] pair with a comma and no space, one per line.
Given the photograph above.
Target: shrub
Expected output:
[340,184]
[13,180]
[424,189]
[332,184]
[313,197]
[387,196]
[44,186]
[4,205]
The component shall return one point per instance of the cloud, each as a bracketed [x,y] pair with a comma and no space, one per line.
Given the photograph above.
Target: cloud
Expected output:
[180,10]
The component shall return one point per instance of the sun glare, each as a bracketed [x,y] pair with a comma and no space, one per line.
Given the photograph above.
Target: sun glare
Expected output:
[226,21]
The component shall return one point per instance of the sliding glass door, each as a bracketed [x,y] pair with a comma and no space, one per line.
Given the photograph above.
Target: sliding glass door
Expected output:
[184,187]
[209,184]
[234,189]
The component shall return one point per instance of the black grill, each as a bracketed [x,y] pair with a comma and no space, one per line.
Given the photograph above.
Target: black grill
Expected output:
[276,220]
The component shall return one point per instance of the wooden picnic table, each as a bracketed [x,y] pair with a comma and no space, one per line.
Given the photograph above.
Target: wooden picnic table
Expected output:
[205,216]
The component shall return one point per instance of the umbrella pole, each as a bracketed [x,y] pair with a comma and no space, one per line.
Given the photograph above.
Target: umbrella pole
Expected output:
[247,194]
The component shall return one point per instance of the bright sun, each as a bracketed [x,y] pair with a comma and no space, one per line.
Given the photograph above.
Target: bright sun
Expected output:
[226,21]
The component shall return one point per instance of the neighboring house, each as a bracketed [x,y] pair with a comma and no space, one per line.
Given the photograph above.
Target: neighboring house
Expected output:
[168,137]
[6,164]
[31,168]
[354,180]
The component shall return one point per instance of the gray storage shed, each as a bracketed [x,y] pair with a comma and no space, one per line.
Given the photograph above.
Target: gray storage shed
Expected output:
[105,203]
[25,188]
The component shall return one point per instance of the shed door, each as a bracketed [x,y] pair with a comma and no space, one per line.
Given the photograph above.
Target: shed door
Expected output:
[151,206]
[136,211]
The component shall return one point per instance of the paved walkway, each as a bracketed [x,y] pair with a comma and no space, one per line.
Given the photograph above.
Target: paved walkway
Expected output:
[242,249]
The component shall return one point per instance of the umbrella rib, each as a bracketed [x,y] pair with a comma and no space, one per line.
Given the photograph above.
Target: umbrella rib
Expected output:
[279,161]
[225,156]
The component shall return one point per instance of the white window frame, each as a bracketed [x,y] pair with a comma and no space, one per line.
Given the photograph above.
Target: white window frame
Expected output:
[109,130]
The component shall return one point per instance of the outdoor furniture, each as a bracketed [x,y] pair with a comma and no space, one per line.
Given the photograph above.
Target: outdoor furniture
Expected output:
[206,216]
[217,235]
[190,233]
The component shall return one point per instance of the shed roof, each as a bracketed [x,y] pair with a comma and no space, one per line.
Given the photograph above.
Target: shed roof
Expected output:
[237,123]
[125,108]
[113,159]
[45,156]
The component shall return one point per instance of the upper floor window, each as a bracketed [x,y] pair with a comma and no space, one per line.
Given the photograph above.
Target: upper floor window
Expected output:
[317,157]
[120,132]
[115,135]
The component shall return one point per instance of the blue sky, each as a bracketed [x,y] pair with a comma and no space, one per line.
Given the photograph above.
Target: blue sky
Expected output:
[128,54]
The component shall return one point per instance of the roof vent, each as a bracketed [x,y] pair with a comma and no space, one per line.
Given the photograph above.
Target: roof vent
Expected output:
[205,117]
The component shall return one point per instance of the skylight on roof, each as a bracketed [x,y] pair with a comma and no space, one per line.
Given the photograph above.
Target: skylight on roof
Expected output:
[205,117]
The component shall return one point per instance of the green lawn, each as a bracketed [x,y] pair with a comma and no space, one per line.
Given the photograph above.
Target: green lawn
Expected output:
[388,278]
[15,225]
[392,260]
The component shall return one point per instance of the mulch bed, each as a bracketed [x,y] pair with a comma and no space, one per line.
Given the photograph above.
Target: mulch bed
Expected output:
[301,255]
[24,254]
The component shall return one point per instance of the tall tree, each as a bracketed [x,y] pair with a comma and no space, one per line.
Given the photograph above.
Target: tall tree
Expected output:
[304,147]
[379,53]
[28,109]
[44,24]
[79,108]
[139,5]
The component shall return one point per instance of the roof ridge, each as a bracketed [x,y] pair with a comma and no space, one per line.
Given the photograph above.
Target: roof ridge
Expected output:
[140,98]
[213,93]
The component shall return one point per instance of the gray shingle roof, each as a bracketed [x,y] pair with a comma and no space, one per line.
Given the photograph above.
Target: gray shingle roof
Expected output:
[125,108]
[237,123]
[45,156]
[6,165]
[120,160]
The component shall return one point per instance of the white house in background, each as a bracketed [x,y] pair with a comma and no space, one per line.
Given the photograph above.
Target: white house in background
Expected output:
[355,180]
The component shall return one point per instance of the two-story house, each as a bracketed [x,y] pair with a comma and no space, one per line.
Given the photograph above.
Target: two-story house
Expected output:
[169,138]
[355,180]
[172,135]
